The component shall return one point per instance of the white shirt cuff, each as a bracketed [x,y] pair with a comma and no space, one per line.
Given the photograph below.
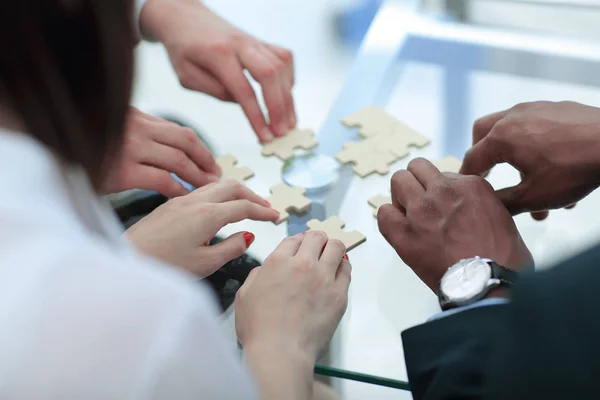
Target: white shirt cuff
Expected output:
[481,303]
[139,4]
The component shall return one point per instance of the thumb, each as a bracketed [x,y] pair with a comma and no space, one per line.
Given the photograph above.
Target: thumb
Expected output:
[480,158]
[221,253]
[512,198]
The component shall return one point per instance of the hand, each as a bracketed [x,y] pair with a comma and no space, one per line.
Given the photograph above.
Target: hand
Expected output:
[210,55]
[153,149]
[295,301]
[436,219]
[179,231]
[555,146]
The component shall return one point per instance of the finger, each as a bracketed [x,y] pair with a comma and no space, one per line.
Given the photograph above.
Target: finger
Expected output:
[232,76]
[150,178]
[424,171]
[186,140]
[343,276]
[289,246]
[286,78]
[287,58]
[195,77]
[239,210]
[217,255]
[228,190]
[332,256]
[391,222]
[312,245]
[406,189]
[540,215]
[511,197]
[484,125]
[265,70]
[176,161]
[480,158]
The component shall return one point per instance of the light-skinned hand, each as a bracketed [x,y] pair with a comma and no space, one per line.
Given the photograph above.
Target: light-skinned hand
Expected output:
[210,55]
[294,302]
[555,147]
[436,219]
[179,231]
[155,148]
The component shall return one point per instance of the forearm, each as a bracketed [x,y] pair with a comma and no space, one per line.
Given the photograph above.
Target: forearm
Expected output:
[158,15]
[280,374]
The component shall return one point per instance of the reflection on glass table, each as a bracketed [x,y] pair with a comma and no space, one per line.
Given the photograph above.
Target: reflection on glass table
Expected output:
[437,77]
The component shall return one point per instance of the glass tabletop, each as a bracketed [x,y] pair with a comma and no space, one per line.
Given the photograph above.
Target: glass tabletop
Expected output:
[437,77]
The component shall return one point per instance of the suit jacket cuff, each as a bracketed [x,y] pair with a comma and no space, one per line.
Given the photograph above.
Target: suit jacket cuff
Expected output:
[447,358]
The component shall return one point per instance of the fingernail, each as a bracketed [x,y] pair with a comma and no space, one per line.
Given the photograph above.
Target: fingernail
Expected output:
[346,257]
[212,177]
[292,121]
[268,204]
[249,238]
[267,135]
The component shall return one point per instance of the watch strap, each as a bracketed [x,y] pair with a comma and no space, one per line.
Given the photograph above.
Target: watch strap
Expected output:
[507,276]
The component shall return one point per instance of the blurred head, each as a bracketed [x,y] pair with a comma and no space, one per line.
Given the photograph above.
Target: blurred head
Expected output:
[66,73]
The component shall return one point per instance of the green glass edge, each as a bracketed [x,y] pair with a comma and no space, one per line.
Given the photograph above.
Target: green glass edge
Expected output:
[353,376]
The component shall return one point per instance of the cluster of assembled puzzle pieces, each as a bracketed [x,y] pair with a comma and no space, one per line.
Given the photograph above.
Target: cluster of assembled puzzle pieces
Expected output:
[385,140]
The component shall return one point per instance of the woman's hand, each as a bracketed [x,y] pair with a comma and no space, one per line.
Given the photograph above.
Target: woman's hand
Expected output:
[210,55]
[179,231]
[288,310]
[155,148]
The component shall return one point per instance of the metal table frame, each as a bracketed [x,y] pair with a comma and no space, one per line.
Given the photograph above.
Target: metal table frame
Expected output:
[398,35]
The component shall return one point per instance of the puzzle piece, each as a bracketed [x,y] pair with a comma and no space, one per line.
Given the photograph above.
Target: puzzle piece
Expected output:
[374,121]
[230,171]
[378,201]
[286,198]
[333,228]
[398,142]
[366,157]
[448,164]
[284,146]
[371,120]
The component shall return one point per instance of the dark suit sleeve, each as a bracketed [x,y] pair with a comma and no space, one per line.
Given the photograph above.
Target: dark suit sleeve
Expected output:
[445,357]
[545,344]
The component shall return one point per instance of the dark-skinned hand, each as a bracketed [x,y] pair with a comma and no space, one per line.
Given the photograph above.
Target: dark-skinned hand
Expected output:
[555,147]
[436,219]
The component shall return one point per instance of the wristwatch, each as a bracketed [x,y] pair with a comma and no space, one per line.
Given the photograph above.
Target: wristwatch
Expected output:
[470,280]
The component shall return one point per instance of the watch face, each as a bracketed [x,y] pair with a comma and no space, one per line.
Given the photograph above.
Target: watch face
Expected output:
[466,279]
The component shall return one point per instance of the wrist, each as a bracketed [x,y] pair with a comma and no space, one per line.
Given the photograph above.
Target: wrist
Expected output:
[285,353]
[159,17]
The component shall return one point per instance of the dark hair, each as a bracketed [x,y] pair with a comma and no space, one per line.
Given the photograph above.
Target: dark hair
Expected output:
[66,69]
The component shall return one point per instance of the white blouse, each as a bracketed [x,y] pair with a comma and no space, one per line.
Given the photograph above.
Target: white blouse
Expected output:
[82,316]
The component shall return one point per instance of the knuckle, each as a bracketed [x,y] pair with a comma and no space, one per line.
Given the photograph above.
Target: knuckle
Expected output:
[246,205]
[221,48]
[287,56]
[236,188]
[417,162]
[246,92]
[208,208]
[337,244]
[189,135]
[180,159]
[268,73]
[317,234]
[301,262]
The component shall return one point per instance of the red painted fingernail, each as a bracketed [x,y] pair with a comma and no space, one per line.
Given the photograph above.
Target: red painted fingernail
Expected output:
[346,257]
[249,238]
